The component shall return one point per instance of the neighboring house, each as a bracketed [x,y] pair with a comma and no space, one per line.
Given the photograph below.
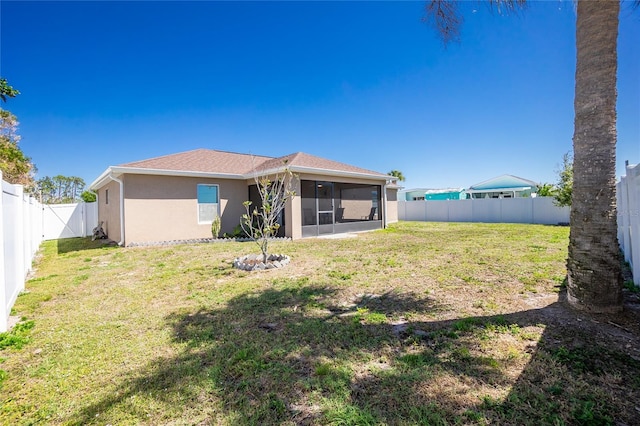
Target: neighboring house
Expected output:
[445,194]
[505,186]
[419,194]
[176,197]
[416,194]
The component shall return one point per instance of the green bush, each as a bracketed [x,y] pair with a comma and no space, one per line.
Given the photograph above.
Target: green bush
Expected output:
[215,227]
[237,232]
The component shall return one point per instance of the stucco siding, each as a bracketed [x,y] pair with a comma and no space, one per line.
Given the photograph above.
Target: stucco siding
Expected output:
[293,214]
[109,210]
[392,205]
[165,208]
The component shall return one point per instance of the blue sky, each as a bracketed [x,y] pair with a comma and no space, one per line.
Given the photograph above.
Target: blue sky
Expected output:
[366,83]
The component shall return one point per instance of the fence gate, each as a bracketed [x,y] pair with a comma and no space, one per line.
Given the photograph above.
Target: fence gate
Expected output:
[68,220]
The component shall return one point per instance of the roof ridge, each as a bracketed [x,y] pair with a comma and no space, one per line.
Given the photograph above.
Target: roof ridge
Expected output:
[289,158]
[504,175]
[521,178]
[239,153]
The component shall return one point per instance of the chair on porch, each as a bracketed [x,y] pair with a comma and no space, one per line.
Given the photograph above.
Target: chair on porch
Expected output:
[372,214]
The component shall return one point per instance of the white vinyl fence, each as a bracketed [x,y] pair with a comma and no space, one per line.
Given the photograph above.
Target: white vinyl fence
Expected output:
[628,198]
[540,210]
[21,235]
[69,220]
[24,224]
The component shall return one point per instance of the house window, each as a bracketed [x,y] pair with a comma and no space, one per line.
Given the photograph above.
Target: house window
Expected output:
[208,203]
[106,196]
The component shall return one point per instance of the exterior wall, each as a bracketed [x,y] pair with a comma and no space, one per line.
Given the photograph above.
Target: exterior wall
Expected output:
[392,205]
[444,196]
[356,209]
[355,203]
[109,213]
[165,208]
[293,214]
[500,193]
[414,195]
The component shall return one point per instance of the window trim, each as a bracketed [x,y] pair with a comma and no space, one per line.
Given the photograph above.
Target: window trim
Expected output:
[217,212]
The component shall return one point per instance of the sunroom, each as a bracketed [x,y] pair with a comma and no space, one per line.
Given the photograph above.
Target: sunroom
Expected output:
[338,207]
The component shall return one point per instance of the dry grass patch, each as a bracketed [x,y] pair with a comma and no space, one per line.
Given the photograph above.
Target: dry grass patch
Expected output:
[422,323]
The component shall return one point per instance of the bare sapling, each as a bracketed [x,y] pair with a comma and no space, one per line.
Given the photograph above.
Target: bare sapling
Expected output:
[260,223]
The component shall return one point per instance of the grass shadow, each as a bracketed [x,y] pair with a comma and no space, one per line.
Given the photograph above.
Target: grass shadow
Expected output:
[290,355]
[67,245]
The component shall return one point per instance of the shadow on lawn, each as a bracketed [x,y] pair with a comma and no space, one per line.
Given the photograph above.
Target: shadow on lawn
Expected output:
[67,245]
[287,355]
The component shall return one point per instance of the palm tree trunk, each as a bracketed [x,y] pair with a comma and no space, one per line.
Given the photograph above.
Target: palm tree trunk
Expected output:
[594,269]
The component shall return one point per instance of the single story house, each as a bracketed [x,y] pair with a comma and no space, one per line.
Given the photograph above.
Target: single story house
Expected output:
[415,194]
[505,186]
[419,194]
[176,197]
[445,194]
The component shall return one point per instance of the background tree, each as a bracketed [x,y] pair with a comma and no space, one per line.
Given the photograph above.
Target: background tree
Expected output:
[16,167]
[564,187]
[6,90]
[594,273]
[46,190]
[261,223]
[88,196]
[61,189]
[546,190]
[397,174]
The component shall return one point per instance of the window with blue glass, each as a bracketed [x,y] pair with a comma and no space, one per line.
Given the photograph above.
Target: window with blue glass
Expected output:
[208,203]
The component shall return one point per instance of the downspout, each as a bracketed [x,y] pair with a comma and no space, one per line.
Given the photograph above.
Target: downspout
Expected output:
[110,176]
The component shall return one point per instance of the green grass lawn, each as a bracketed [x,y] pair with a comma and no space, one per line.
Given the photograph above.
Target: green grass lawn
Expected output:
[422,323]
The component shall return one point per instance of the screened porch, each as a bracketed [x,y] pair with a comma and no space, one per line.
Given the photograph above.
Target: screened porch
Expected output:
[336,207]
